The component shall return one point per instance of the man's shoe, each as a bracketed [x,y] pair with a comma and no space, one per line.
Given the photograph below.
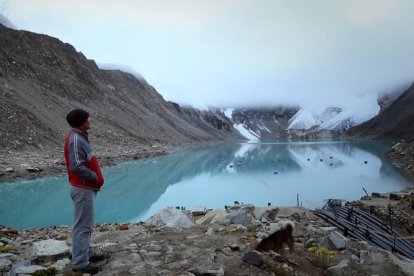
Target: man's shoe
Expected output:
[97,258]
[90,269]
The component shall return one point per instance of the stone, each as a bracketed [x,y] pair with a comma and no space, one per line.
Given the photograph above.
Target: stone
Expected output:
[123,227]
[170,217]
[217,216]
[335,241]
[398,148]
[376,195]
[240,217]
[9,170]
[395,196]
[406,265]
[61,264]
[29,269]
[253,257]
[310,243]
[199,211]
[50,249]
[339,269]
[329,228]
[268,213]
[234,247]
[5,264]
[32,169]
[209,268]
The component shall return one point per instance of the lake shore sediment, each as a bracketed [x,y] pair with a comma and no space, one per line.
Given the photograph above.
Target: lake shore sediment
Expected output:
[209,242]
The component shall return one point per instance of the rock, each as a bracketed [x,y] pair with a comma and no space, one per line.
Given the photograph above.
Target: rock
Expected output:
[199,211]
[208,269]
[123,227]
[406,265]
[5,264]
[61,264]
[170,217]
[32,169]
[398,148]
[29,269]
[9,170]
[269,213]
[254,258]
[395,196]
[49,249]
[335,241]
[240,217]
[376,195]
[329,228]
[217,216]
[234,247]
[339,269]
[310,243]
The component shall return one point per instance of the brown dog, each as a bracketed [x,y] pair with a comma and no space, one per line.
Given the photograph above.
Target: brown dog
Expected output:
[276,240]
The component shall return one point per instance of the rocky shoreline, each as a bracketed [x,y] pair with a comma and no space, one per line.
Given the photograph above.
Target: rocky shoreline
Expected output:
[205,242]
[15,165]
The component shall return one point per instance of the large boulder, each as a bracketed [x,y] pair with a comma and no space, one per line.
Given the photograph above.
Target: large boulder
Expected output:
[335,241]
[49,250]
[170,217]
[241,217]
[217,216]
[268,213]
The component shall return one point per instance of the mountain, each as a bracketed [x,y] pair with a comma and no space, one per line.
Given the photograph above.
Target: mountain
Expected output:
[42,79]
[396,121]
[6,22]
[262,124]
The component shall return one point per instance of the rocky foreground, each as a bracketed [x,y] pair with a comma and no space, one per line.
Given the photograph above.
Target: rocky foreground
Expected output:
[203,242]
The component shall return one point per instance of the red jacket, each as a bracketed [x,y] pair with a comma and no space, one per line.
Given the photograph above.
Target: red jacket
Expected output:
[81,163]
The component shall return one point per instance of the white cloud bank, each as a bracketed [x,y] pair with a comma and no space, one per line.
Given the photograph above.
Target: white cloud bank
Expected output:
[240,53]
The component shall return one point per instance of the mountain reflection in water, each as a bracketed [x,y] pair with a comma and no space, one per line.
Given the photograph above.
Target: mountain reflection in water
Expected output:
[211,176]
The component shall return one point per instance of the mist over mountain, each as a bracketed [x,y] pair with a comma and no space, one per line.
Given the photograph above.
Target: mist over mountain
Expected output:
[395,121]
[42,79]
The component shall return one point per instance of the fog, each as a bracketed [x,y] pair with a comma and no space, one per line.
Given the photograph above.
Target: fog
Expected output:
[240,53]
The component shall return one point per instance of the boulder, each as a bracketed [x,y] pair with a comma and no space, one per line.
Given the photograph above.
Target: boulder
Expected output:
[170,217]
[217,216]
[61,264]
[9,170]
[268,213]
[339,269]
[29,269]
[395,196]
[49,250]
[5,264]
[240,217]
[32,169]
[210,268]
[199,211]
[335,241]
[253,257]
[398,148]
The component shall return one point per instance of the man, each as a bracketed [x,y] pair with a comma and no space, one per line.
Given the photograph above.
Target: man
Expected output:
[86,179]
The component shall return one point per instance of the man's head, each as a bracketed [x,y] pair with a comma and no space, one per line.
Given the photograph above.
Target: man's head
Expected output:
[79,118]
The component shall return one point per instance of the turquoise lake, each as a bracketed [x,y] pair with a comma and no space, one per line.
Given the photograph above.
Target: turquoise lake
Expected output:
[212,176]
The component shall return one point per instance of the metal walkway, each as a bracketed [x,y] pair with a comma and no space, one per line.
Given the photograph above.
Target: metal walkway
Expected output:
[364,226]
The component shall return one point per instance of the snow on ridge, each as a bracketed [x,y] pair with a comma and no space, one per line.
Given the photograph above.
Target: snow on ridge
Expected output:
[229,112]
[246,132]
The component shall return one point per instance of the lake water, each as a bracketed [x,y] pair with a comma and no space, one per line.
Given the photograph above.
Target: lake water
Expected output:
[212,176]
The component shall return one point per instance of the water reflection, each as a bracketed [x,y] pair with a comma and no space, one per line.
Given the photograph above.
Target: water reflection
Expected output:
[211,176]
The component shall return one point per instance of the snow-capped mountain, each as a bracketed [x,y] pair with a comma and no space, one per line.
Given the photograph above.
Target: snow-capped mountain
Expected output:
[335,119]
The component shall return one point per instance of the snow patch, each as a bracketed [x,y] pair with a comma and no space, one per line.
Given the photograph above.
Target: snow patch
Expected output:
[229,112]
[246,132]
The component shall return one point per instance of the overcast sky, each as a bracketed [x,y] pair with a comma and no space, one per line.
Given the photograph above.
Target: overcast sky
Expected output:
[240,53]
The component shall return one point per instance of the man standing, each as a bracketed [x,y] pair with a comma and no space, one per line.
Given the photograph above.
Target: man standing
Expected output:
[86,179]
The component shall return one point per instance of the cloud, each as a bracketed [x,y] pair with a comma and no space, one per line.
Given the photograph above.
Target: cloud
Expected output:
[240,53]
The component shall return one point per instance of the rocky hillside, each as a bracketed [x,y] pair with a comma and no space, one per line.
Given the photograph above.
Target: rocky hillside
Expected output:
[396,121]
[42,78]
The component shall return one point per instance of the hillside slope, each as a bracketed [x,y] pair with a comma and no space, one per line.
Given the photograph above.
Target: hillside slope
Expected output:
[42,78]
[396,121]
